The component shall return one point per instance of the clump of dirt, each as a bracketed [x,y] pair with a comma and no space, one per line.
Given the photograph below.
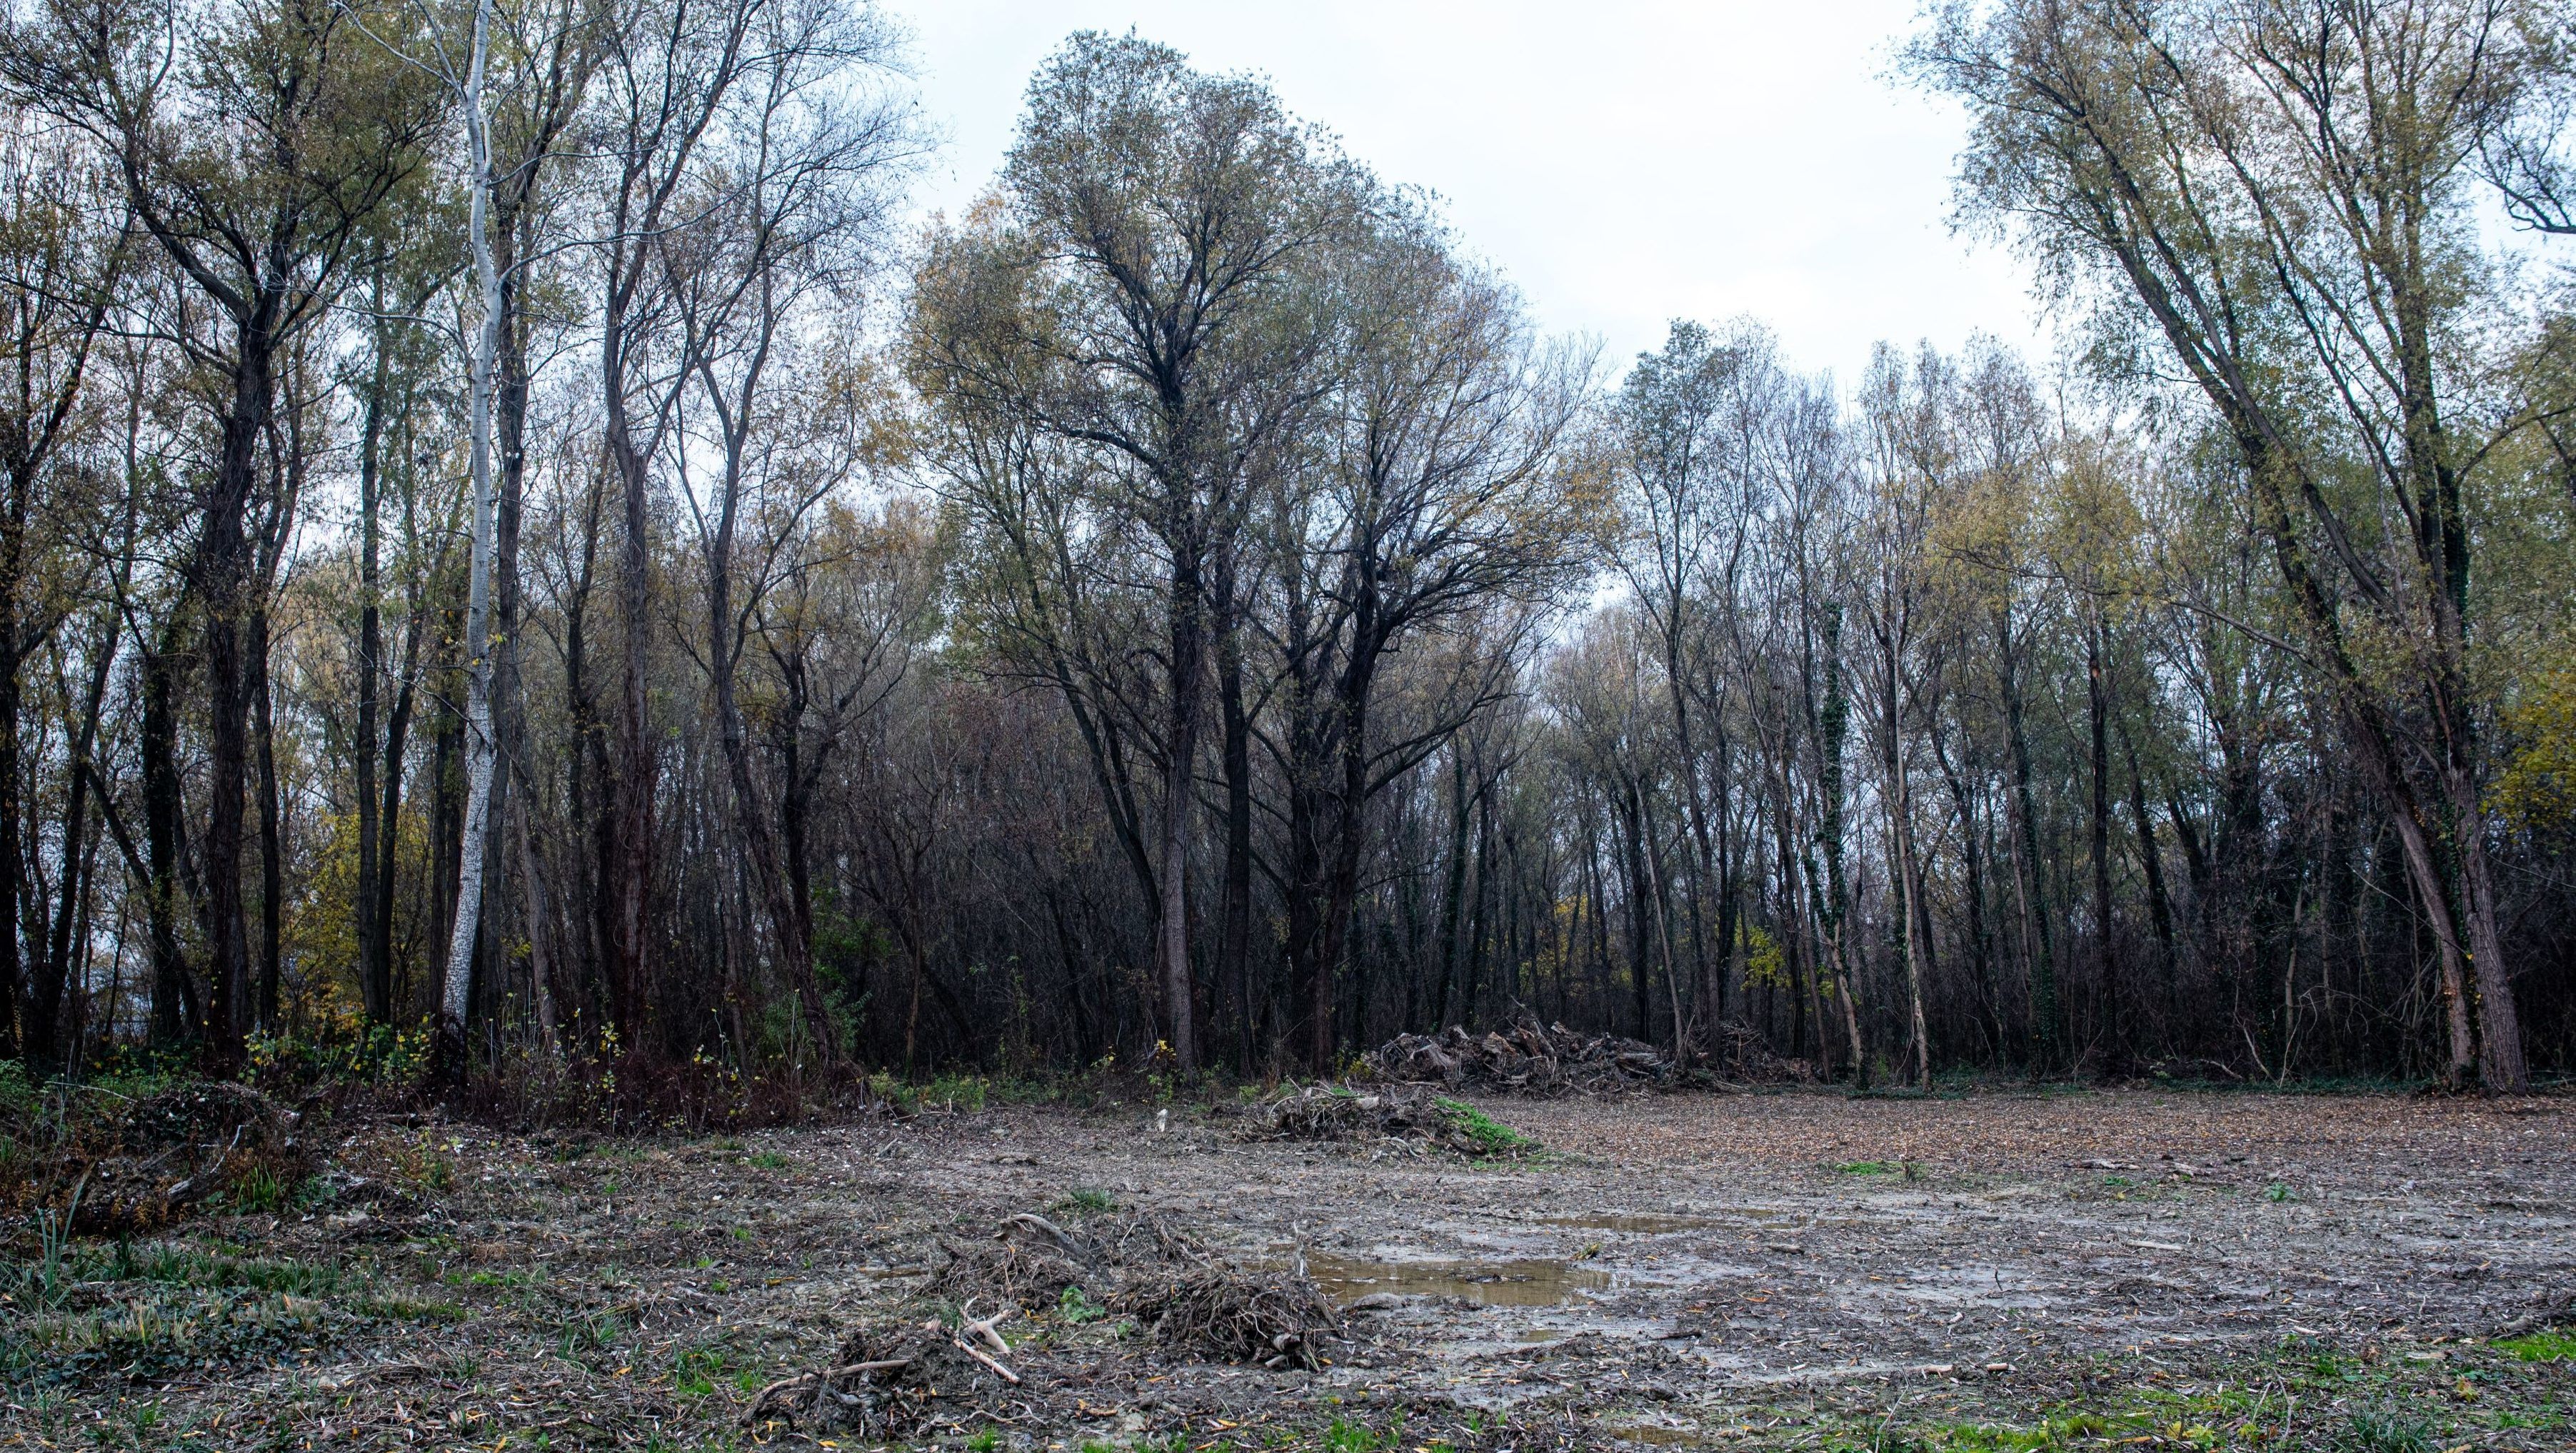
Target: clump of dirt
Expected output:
[1411,1117]
[896,1384]
[1525,1058]
[114,1165]
[1221,1313]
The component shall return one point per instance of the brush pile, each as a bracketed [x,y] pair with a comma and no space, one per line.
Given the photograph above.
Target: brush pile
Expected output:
[1225,1314]
[1524,1058]
[912,1381]
[1413,1118]
[1736,1053]
[111,1164]
[899,1384]
[1031,1262]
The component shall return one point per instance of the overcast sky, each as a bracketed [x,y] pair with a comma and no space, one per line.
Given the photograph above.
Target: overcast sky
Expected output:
[1623,162]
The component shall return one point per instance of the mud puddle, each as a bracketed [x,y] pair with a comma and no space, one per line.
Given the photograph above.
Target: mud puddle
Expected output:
[1632,1223]
[1533,1282]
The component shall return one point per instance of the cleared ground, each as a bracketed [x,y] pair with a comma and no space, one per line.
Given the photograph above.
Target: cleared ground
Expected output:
[2000,1270]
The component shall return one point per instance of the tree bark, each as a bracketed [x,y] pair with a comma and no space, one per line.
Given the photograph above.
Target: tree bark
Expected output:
[1185,626]
[465,936]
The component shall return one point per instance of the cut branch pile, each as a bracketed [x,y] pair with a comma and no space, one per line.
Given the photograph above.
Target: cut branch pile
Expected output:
[1275,1320]
[1030,1274]
[1029,1260]
[1525,1058]
[898,1384]
[904,1383]
[1412,1117]
[118,1166]
[1737,1053]
[1337,1112]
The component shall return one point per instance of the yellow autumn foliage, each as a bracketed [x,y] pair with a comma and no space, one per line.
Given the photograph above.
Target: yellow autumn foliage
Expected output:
[2537,787]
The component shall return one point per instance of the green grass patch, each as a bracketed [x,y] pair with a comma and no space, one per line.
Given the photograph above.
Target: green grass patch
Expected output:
[1483,1134]
[2551,1344]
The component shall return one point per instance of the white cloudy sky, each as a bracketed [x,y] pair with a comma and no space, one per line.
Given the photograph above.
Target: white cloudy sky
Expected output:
[1624,162]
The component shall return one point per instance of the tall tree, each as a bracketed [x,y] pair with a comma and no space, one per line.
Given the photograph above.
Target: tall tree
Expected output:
[260,162]
[2279,192]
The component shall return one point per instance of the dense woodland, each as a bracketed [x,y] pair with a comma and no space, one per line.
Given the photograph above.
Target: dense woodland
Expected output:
[510,526]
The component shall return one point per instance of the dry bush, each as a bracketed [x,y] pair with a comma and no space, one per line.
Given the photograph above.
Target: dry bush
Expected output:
[1736,1053]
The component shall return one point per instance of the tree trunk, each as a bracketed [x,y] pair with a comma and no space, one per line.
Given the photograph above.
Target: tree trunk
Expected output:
[1901,855]
[171,989]
[1186,631]
[2106,959]
[1234,944]
[375,967]
[1453,895]
[221,567]
[272,847]
[465,935]
[60,971]
[2028,885]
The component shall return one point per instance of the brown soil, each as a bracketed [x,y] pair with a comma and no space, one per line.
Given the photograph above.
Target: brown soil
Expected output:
[1686,1268]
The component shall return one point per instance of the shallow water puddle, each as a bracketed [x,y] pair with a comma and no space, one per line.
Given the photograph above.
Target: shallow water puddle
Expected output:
[1635,1223]
[1522,1283]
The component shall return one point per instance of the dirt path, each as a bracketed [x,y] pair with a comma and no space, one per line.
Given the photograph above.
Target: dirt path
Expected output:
[1687,1269]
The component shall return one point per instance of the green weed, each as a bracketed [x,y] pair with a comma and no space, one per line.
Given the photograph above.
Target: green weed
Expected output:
[694,1371]
[1484,1134]
[2384,1430]
[2551,1344]
[1349,1437]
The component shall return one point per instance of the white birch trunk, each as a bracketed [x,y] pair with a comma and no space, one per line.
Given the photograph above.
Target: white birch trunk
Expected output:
[479,747]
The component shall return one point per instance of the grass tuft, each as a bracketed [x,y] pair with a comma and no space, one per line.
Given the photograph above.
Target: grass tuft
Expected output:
[1483,1134]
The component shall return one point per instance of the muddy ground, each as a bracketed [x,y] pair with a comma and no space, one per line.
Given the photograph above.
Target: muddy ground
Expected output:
[2000,1270]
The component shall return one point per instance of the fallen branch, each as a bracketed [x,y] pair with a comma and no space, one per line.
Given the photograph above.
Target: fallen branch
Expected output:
[984,1327]
[1004,1373]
